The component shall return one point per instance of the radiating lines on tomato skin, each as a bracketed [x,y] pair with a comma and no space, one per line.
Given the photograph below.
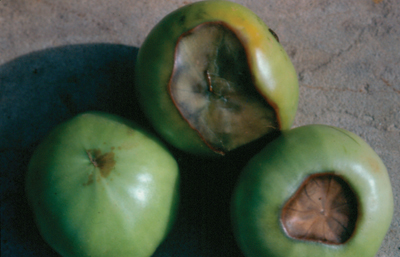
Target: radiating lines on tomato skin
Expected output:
[323,209]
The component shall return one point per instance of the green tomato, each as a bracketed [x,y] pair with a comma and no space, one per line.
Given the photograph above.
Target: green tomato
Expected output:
[211,77]
[99,185]
[314,191]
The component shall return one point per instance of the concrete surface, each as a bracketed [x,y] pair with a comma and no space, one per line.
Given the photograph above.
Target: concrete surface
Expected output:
[59,58]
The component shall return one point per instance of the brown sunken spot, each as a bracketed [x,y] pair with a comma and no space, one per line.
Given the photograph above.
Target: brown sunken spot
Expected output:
[212,87]
[324,209]
[90,180]
[105,162]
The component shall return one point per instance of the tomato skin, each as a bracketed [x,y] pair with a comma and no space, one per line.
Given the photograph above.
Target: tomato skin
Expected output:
[273,175]
[122,206]
[273,73]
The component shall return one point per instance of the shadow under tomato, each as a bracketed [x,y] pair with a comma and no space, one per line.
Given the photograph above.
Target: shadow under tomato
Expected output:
[42,89]
[37,92]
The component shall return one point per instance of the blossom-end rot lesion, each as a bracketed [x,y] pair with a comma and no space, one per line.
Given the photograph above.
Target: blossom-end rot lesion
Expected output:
[104,162]
[324,209]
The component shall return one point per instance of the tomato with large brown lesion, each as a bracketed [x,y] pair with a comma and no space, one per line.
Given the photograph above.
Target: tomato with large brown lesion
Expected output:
[212,77]
[315,190]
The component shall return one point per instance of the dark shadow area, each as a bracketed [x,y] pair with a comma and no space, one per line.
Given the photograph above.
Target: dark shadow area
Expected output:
[44,88]
[37,92]
[204,227]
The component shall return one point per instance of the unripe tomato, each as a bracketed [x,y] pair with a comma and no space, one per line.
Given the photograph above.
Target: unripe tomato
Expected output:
[100,186]
[314,191]
[211,77]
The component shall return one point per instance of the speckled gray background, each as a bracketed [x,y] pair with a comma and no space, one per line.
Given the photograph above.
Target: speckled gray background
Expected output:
[59,58]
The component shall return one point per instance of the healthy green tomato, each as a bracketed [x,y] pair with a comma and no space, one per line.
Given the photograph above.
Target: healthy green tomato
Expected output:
[212,77]
[314,191]
[101,186]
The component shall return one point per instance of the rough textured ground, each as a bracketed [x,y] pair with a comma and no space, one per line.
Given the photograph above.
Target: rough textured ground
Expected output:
[59,58]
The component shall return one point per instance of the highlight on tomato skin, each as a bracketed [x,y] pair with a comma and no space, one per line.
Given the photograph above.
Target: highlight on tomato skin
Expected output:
[315,190]
[218,81]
